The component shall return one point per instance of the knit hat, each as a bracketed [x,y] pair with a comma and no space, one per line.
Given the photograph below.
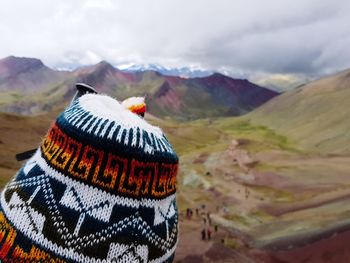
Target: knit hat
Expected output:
[100,188]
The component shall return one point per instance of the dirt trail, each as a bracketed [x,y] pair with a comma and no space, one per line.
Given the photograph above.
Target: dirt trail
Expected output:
[190,242]
[192,249]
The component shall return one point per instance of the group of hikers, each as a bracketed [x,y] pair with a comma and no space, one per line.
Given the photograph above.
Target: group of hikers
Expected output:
[206,222]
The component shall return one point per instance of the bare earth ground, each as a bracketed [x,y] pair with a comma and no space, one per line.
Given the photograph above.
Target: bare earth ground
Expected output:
[279,218]
[223,246]
[290,205]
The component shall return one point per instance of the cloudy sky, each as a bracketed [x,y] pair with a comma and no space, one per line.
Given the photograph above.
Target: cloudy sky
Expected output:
[275,38]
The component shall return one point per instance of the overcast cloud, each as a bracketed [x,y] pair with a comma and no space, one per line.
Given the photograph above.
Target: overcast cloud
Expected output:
[240,37]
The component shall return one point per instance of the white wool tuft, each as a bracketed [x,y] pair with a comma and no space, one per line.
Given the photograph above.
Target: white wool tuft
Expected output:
[106,107]
[127,103]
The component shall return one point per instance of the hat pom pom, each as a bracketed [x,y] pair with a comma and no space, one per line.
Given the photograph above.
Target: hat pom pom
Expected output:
[136,105]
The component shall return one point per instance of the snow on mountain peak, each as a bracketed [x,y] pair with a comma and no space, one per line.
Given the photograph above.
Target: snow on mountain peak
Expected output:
[186,72]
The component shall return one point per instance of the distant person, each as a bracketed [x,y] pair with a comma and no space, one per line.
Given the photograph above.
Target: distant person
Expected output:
[209,218]
[246,193]
[208,233]
[203,234]
[188,213]
[216,228]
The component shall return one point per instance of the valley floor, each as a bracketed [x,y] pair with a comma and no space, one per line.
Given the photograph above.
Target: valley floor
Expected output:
[283,203]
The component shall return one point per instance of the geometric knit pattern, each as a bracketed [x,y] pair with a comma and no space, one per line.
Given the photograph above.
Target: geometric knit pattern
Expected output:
[100,188]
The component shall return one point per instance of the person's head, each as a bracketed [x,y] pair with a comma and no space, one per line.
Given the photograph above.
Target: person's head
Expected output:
[100,188]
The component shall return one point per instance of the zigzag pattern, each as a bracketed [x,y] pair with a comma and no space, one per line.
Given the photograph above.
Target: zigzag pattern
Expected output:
[134,223]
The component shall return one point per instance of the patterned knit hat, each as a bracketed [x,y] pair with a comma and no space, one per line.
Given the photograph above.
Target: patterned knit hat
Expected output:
[100,188]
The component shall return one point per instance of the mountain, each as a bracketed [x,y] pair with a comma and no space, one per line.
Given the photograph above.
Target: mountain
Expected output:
[316,115]
[27,74]
[185,72]
[24,83]
[215,95]
[168,96]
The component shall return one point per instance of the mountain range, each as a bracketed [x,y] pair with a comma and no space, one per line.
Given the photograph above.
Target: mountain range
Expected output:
[29,87]
[315,115]
[186,72]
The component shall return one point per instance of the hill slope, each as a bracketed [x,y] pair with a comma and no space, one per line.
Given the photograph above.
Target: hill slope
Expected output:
[316,115]
[27,75]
